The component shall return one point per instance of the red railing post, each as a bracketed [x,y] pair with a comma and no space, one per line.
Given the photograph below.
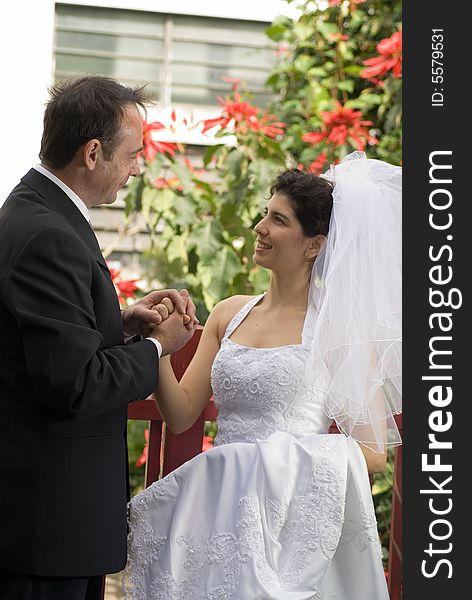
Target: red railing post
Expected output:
[146,410]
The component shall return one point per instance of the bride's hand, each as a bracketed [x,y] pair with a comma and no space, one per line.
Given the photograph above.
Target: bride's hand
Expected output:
[166,308]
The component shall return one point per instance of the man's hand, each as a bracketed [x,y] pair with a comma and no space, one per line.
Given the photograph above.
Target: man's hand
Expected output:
[140,318]
[172,333]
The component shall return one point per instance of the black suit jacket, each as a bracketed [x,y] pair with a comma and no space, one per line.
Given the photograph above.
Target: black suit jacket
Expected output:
[65,381]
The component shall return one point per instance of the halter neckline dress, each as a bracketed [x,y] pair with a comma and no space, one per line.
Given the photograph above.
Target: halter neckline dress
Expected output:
[278,510]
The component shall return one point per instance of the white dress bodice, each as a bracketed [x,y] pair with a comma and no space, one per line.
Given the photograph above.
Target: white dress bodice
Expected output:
[262,390]
[278,510]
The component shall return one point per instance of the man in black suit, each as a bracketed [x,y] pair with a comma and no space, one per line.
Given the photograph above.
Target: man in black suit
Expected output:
[66,376]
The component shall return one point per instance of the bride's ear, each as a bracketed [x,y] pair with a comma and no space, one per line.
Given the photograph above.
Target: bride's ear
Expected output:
[314,246]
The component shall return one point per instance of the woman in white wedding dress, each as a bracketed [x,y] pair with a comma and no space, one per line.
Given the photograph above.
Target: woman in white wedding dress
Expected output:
[280,509]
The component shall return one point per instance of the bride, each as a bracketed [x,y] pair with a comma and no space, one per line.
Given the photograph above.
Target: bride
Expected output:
[280,509]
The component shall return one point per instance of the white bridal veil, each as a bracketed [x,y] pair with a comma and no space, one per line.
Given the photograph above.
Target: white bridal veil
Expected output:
[357,291]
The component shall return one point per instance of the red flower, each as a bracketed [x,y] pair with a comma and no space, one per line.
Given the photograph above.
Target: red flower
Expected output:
[232,111]
[125,288]
[337,37]
[234,81]
[281,51]
[192,169]
[244,116]
[271,129]
[151,147]
[390,59]
[341,124]
[143,458]
[207,442]
[317,166]
[161,182]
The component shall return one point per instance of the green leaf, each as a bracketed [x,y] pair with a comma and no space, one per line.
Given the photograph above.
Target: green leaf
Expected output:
[234,163]
[278,28]
[206,237]
[210,152]
[347,84]
[353,69]
[133,198]
[148,202]
[326,29]
[303,30]
[185,177]
[185,210]
[176,249]
[260,279]
[317,72]
[158,166]
[217,275]
[303,63]
[365,101]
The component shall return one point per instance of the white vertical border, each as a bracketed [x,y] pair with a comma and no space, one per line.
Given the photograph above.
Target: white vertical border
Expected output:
[26,51]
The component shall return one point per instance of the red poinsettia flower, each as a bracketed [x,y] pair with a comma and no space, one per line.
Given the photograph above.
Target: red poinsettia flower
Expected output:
[341,124]
[151,147]
[271,128]
[390,59]
[125,288]
[244,116]
[143,458]
[319,164]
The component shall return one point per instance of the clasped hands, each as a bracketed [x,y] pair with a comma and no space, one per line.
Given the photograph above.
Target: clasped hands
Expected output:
[167,315]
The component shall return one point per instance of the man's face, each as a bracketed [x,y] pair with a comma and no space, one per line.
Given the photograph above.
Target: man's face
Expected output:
[113,174]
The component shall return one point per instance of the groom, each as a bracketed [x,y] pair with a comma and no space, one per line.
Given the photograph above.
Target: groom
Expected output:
[66,376]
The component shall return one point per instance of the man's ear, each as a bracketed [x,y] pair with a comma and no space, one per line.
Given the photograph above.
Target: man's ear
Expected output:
[91,151]
[315,245]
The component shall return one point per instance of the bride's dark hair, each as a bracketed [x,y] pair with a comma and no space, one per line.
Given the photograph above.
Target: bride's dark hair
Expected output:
[311,199]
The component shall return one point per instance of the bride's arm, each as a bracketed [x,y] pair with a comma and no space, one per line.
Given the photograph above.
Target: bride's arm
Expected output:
[375,461]
[180,404]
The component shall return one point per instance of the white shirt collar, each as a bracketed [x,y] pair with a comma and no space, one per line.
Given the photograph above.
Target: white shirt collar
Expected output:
[66,189]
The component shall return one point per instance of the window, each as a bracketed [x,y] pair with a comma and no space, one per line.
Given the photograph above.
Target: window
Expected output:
[183,59]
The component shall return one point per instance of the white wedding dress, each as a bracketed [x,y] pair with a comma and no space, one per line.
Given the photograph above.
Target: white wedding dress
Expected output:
[278,510]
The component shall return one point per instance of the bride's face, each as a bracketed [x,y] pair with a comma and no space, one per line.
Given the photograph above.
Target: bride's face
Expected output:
[280,243]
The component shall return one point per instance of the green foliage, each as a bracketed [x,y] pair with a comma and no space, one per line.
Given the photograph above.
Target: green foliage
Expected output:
[202,230]
[382,494]
[201,222]
[135,449]
[319,67]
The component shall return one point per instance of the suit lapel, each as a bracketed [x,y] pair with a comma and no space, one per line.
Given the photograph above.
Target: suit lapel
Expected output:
[55,199]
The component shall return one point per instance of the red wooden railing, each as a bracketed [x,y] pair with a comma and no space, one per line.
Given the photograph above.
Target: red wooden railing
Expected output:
[168,451]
